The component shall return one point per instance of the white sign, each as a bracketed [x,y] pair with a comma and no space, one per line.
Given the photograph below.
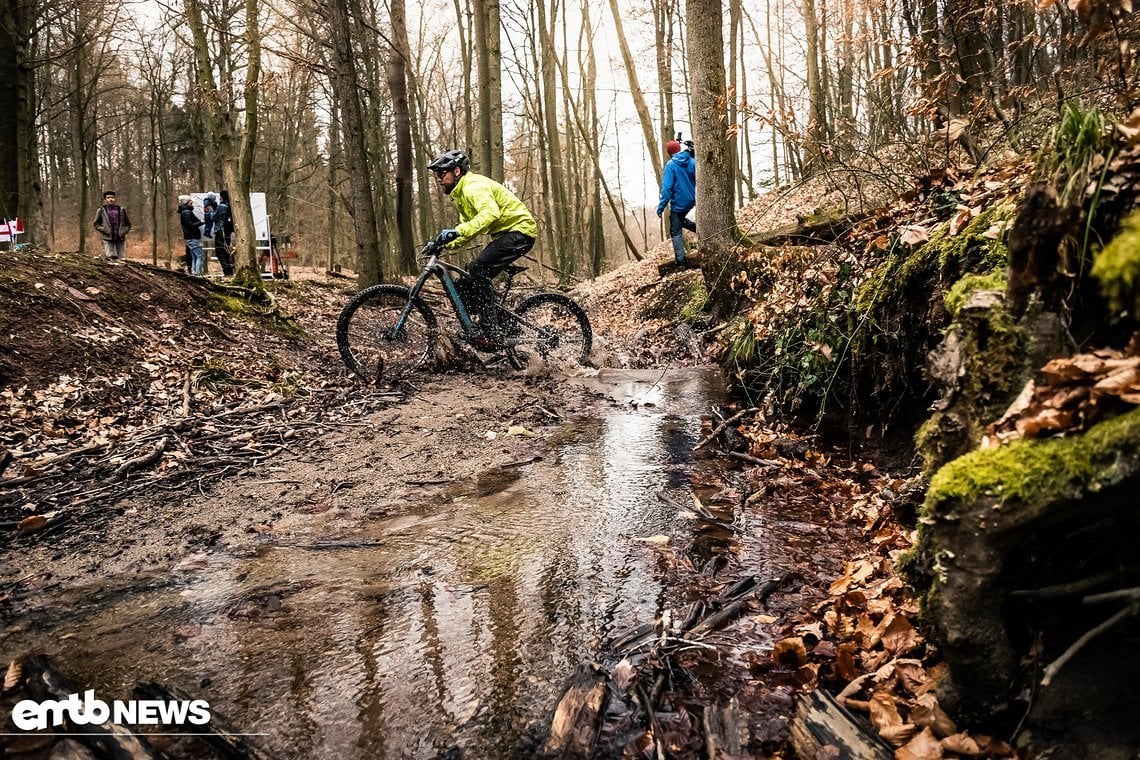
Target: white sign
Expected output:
[256,205]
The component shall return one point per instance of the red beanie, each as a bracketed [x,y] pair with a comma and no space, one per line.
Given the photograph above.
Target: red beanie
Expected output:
[672,147]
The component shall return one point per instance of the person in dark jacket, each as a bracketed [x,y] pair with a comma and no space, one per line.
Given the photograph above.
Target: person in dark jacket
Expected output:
[217,218]
[192,233]
[113,224]
[679,192]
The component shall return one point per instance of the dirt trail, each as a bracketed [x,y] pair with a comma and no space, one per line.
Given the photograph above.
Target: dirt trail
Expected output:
[265,442]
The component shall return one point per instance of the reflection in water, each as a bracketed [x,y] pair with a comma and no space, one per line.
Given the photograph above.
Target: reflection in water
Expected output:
[451,626]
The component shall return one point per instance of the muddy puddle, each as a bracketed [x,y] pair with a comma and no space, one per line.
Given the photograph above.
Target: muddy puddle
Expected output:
[445,631]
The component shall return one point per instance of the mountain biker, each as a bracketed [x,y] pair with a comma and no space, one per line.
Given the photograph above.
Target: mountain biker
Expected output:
[484,205]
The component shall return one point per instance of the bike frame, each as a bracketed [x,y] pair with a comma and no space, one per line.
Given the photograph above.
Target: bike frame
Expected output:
[435,267]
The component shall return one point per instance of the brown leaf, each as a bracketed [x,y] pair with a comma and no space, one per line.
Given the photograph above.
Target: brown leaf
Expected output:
[30,523]
[929,714]
[963,744]
[845,662]
[884,711]
[910,676]
[992,746]
[1121,380]
[900,636]
[914,235]
[13,675]
[790,653]
[924,746]
[623,674]
[1047,421]
[1130,127]
[957,126]
[1061,371]
[899,735]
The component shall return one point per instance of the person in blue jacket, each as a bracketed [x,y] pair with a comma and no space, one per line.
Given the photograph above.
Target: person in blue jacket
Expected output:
[679,192]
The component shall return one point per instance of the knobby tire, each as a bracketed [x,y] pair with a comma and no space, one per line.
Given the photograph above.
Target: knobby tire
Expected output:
[367,341]
[568,327]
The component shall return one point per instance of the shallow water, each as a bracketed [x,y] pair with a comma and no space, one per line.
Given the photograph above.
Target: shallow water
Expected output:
[453,625]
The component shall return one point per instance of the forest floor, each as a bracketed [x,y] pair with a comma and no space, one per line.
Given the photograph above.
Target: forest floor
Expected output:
[152,419]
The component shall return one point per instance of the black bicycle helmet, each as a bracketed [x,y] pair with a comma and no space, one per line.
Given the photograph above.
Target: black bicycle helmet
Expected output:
[448,160]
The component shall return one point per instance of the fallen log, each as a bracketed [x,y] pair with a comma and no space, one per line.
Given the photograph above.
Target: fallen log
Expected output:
[720,428]
[823,728]
[737,600]
[223,739]
[822,227]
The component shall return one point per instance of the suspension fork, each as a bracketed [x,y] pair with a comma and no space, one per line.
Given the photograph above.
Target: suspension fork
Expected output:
[413,294]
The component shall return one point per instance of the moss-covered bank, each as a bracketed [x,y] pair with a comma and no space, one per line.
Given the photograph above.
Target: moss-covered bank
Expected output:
[1029,514]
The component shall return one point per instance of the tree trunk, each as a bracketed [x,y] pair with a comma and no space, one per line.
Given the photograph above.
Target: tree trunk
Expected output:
[663,24]
[245,234]
[635,91]
[345,82]
[11,75]
[716,224]
[559,202]
[461,13]
[817,96]
[398,86]
[481,157]
[494,95]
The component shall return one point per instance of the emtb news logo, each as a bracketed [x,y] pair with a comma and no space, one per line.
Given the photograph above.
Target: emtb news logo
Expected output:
[29,715]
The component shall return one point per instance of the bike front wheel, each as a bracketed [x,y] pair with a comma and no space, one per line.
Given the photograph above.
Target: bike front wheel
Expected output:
[556,327]
[372,343]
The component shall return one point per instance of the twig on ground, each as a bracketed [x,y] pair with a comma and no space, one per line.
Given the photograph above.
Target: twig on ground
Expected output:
[721,427]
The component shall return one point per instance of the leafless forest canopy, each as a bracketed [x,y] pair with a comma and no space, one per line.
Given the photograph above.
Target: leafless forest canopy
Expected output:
[334,108]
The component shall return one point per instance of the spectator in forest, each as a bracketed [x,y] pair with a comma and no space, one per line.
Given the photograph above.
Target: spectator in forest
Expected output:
[192,233]
[679,192]
[113,223]
[217,217]
[484,206]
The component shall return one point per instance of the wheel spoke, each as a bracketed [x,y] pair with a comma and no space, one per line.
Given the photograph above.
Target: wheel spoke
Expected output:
[372,344]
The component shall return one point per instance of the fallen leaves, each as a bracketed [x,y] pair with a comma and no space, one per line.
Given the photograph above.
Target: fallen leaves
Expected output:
[13,675]
[1071,394]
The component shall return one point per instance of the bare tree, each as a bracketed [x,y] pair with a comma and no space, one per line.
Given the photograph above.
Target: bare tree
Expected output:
[232,129]
[639,104]
[398,86]
[716,222]
[345,85]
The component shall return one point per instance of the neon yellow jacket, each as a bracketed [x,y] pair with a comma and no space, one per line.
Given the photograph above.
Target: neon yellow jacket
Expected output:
[486,206]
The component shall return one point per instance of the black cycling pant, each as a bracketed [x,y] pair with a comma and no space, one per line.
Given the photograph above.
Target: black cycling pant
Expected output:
[497,256]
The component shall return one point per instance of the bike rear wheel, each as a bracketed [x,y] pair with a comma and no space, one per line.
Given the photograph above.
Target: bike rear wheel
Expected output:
[370,343]
[556,327]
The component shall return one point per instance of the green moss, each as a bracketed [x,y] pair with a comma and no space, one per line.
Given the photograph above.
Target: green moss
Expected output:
[1117,267]
[682,296]
[283,325]
[992,366]
[1029,473]
[960,291]
[695,306]
[943,254]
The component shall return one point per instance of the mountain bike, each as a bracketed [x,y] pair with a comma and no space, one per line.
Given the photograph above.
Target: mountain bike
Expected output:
[387,331]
